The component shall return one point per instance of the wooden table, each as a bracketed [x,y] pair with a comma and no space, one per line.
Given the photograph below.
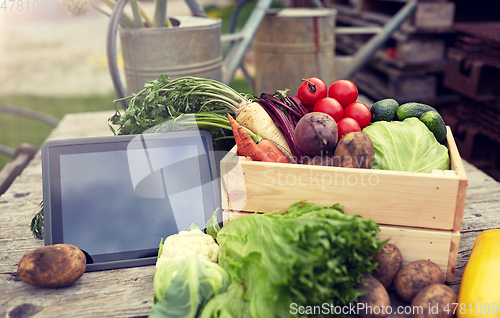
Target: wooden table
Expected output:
[129,292]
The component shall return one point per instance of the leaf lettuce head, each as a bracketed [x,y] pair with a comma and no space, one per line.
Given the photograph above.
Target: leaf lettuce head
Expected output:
[308,255]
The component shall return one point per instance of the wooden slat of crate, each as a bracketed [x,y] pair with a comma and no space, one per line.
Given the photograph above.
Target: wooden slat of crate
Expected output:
[381,80]
[410,88]
[419,52]
[383,199]
[427,200]
[433,17]
[427,14]
[456,164]
[440,247]
[413,55]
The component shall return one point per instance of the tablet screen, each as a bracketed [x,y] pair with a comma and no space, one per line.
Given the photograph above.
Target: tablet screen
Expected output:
[116,200]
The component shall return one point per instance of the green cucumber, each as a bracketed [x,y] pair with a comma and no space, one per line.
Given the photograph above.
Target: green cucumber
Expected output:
[412,109]
[384,110]
[435,123]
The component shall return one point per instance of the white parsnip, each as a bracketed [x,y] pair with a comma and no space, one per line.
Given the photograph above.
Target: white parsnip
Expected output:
[254,117]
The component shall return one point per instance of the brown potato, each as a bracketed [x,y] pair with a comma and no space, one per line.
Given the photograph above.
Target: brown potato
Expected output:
[56,265]
[374,304]
[354,150]
[390,260]
[434,301]
[416,276]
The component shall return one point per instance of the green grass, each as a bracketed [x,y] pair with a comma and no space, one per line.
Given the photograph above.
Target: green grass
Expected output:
[15,130]
[241,85]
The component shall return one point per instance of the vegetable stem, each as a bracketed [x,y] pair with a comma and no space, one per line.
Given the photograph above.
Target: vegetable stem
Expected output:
[149,22]
[125,18]
[285,121]
[136,13]
[160,17]
[124,21]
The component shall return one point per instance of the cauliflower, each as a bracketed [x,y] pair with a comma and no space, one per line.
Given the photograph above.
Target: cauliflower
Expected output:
[184,243]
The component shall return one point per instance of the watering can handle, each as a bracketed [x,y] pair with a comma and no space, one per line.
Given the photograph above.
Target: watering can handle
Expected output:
[231,62]
[237,51]
[111,50]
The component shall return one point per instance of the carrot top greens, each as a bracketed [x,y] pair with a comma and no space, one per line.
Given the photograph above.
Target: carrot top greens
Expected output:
[165,99]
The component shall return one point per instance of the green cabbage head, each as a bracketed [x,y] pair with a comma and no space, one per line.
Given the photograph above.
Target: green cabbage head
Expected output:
[406,145]
[183,285]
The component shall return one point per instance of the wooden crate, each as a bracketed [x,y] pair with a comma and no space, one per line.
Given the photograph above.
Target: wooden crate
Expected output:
[471,75]
[434,15]
[421,212]
[428,15]
[383,81]
[440,247]
[412,54]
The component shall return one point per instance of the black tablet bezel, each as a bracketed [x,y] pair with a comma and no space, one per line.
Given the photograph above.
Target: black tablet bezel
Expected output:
[51,152]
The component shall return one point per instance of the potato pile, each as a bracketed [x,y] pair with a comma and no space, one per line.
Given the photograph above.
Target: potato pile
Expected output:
[420,282]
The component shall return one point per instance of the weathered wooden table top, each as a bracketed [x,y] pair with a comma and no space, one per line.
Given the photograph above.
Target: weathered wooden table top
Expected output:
[129,292]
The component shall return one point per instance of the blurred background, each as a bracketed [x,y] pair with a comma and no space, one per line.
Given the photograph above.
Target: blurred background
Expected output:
[446,55]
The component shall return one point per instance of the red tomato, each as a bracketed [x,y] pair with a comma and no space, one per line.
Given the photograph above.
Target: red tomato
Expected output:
[347,125]
[331,107]
[360,112]
[344,91]
[310,91]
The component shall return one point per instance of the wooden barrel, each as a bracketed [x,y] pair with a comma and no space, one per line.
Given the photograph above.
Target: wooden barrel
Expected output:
[191,48]
[292,44]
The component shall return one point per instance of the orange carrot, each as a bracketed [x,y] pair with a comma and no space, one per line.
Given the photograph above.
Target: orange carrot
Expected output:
[237,138]
[273,151]
[248,147]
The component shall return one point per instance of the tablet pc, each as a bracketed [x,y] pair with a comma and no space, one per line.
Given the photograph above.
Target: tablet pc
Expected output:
[116,197]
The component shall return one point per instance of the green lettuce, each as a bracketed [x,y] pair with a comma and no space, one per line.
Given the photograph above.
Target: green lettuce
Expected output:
[183,285]
[406,145]
[213,226]
[228,305]
[308,255]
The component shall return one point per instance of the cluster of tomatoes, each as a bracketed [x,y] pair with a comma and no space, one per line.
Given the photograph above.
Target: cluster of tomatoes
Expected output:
[339,101]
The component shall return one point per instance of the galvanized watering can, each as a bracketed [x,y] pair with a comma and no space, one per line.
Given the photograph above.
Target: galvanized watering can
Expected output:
[213,65]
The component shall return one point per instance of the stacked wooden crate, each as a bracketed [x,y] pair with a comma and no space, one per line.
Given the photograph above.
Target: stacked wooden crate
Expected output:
[473,70]
[421,213]
[474,61]
[409,67]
